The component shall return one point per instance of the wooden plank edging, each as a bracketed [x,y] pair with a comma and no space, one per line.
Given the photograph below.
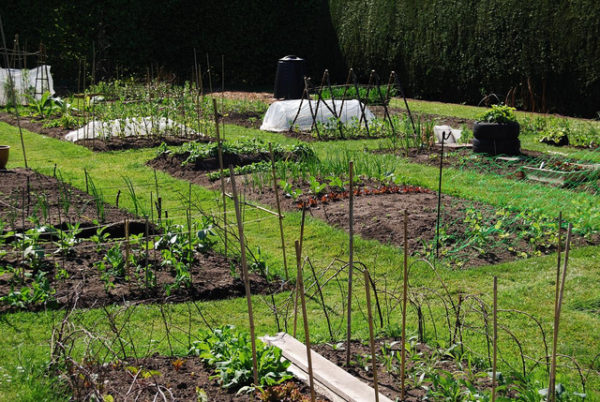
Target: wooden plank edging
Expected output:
[341,383]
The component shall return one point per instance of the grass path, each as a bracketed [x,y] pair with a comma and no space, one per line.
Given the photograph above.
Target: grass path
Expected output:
[525,285]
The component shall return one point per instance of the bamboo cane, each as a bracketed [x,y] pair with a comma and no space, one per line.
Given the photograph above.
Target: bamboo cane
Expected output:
[404,303]
[495,355]
[280,216]
[552,391]
[221,174]
[305,319]
[296,288]
[245,274]
[371,334]
[351,262]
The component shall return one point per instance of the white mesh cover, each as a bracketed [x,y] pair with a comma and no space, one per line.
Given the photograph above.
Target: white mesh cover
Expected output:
[136,126]
[35,81]
[280,115]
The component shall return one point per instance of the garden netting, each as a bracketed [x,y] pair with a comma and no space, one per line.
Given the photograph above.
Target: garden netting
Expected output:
[26,82]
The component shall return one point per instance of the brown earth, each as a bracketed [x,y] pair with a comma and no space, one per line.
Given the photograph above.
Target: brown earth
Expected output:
[211,272]
[211,278]
[180,378]
[25,194]
[389,380]
[381,217]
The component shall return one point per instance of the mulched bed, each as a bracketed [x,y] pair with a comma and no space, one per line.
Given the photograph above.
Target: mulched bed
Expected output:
[99,145]
[389,381]
[181,378]
[380,217]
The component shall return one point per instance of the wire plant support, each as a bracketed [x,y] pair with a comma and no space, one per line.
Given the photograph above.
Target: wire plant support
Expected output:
[325,96]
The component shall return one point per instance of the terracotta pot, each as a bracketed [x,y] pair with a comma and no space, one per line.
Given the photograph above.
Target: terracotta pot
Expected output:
[4,155]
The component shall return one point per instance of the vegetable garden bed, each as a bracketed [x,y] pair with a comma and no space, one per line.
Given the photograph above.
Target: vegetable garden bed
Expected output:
[471,234]
[558,170]
[53,246]
[428,371]
[99,145]
[181,379]
[29,198]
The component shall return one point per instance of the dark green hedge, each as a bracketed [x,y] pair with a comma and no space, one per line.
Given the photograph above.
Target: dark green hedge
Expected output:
[134,34]
[453,50]
[460,50]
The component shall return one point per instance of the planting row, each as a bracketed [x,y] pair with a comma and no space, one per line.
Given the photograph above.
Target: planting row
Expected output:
[52,247]
[469,233]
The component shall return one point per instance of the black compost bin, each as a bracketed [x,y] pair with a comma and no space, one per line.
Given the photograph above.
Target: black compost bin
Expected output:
[289,80]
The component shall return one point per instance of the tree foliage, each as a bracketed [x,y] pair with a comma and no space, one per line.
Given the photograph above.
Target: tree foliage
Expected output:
[545,51]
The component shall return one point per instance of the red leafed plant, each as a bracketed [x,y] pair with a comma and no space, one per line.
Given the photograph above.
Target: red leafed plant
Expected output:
[313,201]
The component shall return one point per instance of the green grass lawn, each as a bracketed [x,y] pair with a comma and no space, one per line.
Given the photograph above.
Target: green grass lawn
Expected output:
[525,285]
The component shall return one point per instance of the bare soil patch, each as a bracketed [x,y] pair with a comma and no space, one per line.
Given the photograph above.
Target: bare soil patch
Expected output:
[26,194]
[266,97]
[181,378]
[381,216]
[213,277]
[22,192]
[389,380]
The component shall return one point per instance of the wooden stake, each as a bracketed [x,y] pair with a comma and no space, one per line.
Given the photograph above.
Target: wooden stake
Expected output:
[552,391]
[221,174]
[305,319]
[240,225]
[495,355]
[404,305]
[126,245]
[146,234]
[151,208]
[350,263]
[296,287]
[276,190]
[13,92]
[371,334]
[551,380]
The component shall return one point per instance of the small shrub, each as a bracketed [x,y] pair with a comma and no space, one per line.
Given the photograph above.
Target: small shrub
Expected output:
[228,350]
[501,114]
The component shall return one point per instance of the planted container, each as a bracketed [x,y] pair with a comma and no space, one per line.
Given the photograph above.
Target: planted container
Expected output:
[563,174]
[497,132]
[4,149]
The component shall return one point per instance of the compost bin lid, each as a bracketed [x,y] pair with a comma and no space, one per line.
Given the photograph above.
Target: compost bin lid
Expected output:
[291,57]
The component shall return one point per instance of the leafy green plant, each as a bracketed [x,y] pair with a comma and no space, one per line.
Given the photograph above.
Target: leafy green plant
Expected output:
[112,266]
[39,292]
[29,243]
[228,350]
[68,239]
[100,237]
[554,136]
[336,182]
[501,114]
[375,96]
[315,186]
[43,107]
